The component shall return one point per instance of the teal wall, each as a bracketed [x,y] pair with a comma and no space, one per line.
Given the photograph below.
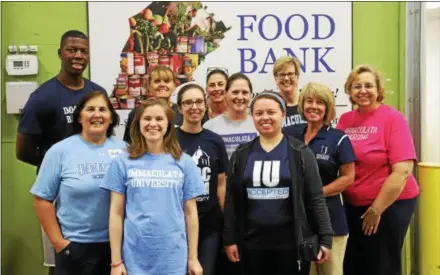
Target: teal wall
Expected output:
[378,33]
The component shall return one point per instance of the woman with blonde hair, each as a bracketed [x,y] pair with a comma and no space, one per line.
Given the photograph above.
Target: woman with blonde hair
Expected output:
[382,198]
[286,72]
[153,213]
[336,158]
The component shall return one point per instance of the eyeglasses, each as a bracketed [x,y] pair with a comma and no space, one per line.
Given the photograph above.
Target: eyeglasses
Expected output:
[283,75]
[223,69]
[367,86]
[189,103]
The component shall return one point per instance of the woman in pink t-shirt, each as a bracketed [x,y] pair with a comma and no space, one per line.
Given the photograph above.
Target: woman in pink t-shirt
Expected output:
[382,198]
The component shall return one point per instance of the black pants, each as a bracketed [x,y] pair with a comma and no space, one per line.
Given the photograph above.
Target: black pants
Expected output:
[378,254]
[209,247]
[270,262]
[84,259]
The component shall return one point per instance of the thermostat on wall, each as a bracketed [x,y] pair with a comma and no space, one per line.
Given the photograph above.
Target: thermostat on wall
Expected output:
[21,64]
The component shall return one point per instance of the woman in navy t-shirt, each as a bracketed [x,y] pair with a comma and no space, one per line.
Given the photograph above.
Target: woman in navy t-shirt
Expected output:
[208,151]
[276,219]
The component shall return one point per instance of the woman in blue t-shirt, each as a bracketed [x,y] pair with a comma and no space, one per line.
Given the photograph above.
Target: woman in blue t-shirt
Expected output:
[276,219]
[208,151]
[153,213]
[70,175]
[336,159]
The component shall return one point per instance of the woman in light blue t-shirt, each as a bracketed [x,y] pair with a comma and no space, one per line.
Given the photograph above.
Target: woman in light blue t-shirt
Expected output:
[70,175]
[153,212]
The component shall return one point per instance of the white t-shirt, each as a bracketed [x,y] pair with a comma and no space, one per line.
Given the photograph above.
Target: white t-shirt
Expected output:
[233,133]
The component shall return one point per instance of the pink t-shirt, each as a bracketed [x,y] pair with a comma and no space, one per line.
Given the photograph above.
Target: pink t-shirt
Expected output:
[380,139]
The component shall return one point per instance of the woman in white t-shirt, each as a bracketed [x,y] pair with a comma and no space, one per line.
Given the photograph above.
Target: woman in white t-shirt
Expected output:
[235,126]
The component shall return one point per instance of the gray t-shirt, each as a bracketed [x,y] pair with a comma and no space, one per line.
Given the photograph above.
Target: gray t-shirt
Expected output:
[233,133]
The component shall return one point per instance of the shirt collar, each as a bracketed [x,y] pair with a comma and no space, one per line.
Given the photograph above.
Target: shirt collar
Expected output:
[322,132]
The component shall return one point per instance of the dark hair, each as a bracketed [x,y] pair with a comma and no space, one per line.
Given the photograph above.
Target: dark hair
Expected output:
[72,33]
[216,71]
[138,146]
[235,77]
[76,125]
[269,94]
[186,88]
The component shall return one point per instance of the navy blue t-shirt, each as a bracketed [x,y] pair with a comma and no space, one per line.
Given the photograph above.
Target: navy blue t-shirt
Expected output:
[269,198]
[49,111]
[293,124]
[332,148]
[208,151]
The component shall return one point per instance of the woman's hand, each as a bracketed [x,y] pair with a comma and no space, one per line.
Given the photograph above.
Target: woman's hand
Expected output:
[194,267]
[323,255]
[60,245]
[232,253]
[119,270]
[371,220]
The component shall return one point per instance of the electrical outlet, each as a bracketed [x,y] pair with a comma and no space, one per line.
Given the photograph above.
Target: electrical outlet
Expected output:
[33,48]
[12,48]
[23,48]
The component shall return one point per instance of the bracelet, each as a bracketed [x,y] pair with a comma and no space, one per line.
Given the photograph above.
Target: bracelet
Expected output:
[116,264]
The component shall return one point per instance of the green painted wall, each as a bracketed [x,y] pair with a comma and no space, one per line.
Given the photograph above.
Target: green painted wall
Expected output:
[378,33]
[42,24]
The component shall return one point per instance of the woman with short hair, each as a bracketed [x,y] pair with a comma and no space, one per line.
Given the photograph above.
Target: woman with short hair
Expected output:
[335,157]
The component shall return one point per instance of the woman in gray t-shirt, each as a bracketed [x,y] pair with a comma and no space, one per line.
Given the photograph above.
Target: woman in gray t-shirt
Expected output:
[235,126]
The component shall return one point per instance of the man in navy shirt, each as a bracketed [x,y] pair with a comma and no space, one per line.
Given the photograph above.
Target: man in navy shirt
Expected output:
[47,116]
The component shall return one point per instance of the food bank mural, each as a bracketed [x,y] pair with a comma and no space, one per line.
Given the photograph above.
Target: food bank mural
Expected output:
[245,37]
[178,35]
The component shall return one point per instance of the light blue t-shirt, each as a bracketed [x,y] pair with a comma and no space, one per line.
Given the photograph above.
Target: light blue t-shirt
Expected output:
[156,187]
[70,175]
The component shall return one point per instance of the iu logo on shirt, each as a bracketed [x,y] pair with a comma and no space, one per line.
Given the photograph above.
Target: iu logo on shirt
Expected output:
[268,173]
[271,173]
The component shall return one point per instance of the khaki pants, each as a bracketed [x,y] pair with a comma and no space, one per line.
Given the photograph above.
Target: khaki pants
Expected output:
[335,265]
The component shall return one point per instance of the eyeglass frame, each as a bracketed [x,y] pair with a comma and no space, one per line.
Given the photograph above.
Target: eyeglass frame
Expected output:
[223,69]
[200,104]
[361,86]
[290,75]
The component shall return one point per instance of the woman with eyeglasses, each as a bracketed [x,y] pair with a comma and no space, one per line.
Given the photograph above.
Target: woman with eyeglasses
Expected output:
[207,149]
[382,198]
[286,71]
[235,126]
[162,84]
[215,89]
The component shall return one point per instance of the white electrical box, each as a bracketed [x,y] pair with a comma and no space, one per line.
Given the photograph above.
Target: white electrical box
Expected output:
[21,64]
[17,94]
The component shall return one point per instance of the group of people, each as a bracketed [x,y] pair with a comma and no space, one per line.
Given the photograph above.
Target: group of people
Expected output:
[225,181]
